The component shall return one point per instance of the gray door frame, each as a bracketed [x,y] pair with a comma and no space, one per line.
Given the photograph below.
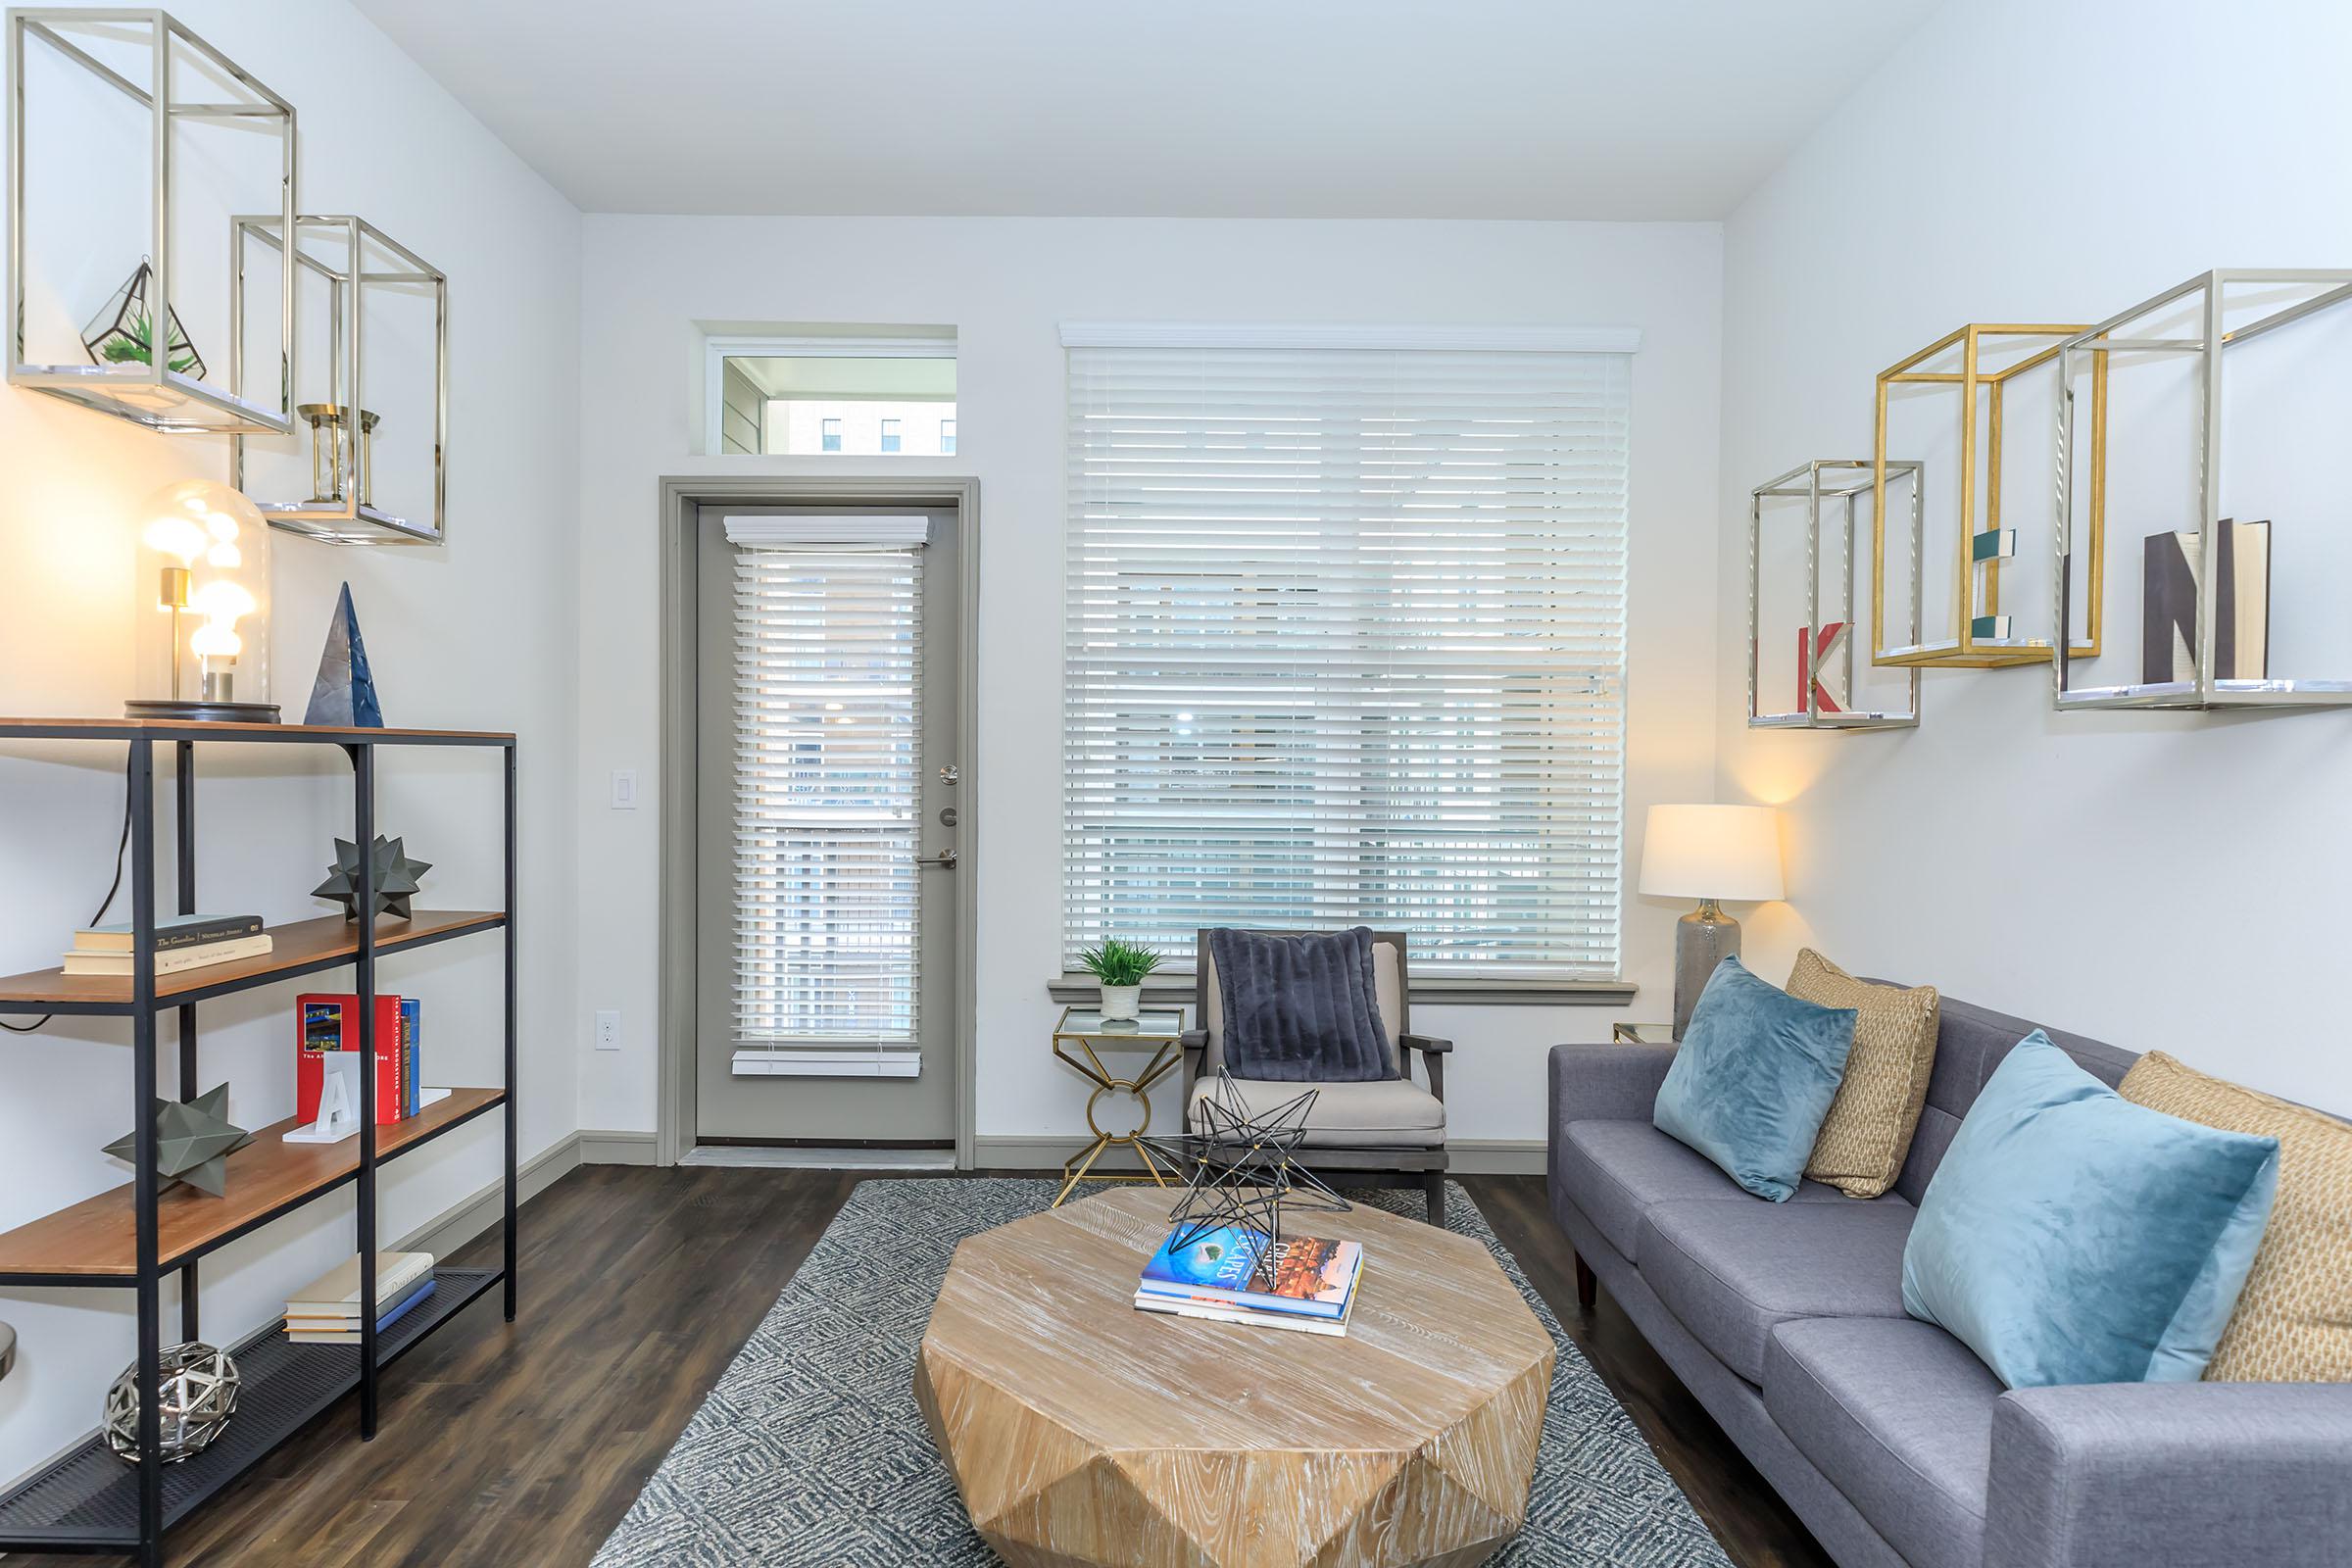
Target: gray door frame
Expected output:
[681,495]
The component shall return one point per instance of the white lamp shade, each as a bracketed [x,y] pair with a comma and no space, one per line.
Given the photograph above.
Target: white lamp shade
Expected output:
[1712,851]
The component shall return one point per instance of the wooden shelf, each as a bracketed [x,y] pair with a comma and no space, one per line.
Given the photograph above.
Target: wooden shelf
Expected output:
[181,729]
[303,946]
[95,1240]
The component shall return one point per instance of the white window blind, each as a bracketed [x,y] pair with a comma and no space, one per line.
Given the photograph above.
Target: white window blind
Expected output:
[1346,644]
[828,706]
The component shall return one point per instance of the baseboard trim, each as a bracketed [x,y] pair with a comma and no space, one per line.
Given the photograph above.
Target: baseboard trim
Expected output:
[603,1147]
[1468,1156]
[469,1217]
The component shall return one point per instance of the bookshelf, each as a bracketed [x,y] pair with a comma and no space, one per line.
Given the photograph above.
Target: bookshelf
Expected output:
[133,1236]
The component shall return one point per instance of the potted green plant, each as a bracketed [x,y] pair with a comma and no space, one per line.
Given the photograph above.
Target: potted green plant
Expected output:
[1121,967]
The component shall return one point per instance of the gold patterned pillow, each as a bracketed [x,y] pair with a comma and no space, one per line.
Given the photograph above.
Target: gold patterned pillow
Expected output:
[2294,1322]
[1862,1141]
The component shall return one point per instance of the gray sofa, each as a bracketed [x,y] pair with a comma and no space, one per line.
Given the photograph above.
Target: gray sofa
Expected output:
[1885,1434]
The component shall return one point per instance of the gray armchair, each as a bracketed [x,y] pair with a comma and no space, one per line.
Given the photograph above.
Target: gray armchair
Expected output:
[1387,1128]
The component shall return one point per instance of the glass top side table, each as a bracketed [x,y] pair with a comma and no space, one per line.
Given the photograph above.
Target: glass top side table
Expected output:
[1642,1034]
[1081,1031]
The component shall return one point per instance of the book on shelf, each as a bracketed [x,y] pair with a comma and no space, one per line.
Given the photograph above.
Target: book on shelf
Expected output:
[326,1025]
[336,1293]
[175,931]
[345,1330]
[172,960]
[1229,1271]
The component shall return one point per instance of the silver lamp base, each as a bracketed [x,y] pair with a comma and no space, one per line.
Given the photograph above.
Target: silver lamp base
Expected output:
[1702,939]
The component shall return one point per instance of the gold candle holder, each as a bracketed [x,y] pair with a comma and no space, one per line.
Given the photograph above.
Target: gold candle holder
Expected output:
[333,458]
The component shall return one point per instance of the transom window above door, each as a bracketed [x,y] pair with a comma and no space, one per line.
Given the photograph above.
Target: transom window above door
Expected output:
[831,394]
[1344,641]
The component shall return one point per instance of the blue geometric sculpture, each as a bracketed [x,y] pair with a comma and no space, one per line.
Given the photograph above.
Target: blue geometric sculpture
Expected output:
[344,695]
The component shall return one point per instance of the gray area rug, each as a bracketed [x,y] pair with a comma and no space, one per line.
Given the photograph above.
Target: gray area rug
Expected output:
[811,1453]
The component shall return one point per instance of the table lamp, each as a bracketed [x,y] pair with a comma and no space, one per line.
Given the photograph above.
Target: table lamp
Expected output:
[1708,852]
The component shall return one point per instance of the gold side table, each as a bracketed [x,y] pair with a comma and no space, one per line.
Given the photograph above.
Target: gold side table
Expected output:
[1642,1034]
[1084,1029]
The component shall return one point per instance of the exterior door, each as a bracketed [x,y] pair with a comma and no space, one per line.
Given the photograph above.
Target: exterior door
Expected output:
[827,825]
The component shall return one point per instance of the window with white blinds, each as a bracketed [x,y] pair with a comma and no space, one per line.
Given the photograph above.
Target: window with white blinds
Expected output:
[828,714]
[1346,644]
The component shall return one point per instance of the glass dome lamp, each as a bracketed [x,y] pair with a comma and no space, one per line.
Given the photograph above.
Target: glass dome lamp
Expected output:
[203,606]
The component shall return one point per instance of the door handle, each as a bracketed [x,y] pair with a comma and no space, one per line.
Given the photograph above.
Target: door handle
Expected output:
[944,861]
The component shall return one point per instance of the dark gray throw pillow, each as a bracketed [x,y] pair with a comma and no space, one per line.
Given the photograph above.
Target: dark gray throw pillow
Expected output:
[1301,1008]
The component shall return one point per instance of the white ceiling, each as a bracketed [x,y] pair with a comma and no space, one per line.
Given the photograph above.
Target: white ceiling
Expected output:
[1628,109]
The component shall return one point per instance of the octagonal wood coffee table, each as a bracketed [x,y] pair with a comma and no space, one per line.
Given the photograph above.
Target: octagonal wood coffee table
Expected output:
[1083,1431]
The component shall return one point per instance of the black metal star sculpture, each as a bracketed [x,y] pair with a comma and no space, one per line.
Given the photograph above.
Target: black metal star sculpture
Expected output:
[1242,1167]
[193,1140]
[394,882]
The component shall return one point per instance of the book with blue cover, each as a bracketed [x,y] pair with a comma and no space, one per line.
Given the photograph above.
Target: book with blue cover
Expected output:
[1304,1276]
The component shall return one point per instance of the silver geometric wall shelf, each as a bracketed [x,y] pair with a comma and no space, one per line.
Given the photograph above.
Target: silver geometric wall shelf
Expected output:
[94,191]
[1827,666]
[2201,321]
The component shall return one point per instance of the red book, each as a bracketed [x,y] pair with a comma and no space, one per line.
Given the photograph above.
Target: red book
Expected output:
[325,1023]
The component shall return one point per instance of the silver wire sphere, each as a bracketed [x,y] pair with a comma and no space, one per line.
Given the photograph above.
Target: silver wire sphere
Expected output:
[199,1395]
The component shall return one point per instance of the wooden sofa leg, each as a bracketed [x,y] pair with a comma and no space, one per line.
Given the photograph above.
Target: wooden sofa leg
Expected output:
[1588,1289]
[1433,1187]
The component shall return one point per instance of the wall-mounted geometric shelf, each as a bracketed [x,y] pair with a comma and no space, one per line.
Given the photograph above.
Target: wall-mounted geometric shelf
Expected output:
[1825,672]
[375,319]
[1982,634]
[2218,649]
[118,231]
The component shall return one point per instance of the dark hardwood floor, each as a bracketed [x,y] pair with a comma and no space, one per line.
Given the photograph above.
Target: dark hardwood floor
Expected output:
[523,1444]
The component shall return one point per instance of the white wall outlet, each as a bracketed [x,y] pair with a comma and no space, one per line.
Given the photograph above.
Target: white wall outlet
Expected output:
[608,1029]
[624,789]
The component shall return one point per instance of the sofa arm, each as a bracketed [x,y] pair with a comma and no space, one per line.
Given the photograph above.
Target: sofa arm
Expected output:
[1607,1083]
[2170,1475]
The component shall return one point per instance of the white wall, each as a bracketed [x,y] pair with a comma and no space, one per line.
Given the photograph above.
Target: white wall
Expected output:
[2162,880]
[479,634]
[1006,285]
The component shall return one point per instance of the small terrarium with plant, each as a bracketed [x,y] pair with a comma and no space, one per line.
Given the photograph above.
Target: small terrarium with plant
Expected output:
[1121,967]
[124,333]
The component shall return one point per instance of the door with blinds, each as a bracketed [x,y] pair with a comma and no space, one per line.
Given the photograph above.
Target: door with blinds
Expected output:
[828,827]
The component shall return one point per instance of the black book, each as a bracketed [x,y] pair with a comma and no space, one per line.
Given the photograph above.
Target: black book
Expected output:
[185,931]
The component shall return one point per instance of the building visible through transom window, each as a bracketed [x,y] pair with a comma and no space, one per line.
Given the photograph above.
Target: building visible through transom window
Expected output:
[817,392]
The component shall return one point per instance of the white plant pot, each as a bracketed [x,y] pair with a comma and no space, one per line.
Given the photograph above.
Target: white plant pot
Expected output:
[1122,1002]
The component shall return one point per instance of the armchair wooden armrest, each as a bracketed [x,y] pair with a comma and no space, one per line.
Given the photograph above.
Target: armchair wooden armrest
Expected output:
[1434,1052]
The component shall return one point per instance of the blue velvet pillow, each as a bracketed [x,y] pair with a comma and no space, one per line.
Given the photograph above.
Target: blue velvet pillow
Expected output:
[2073,1236]
[1755,1075]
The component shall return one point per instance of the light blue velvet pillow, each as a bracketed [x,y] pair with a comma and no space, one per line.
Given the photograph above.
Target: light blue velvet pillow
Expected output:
[2071,1236]
[1753,1079]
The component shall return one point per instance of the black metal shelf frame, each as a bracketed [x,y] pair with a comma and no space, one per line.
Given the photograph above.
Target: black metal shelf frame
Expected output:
[150,1517]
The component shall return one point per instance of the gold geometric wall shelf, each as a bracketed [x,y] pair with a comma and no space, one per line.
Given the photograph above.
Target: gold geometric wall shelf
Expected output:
[1982,634]
[2215,646]
[1827,683]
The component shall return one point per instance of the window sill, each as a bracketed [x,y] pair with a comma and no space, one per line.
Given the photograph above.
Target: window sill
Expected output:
[1177,990]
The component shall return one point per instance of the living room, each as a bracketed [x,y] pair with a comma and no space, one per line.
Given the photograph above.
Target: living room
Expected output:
[981,639]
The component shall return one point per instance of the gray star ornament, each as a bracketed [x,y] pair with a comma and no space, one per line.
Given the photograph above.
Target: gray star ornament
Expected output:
[193,1140]
[395,878]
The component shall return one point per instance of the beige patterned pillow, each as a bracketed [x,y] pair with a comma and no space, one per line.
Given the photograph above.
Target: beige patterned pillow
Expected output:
[1862,1141]
[2294,1322]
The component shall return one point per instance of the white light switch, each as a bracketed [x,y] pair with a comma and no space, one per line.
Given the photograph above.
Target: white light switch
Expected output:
[608,1030]
[624,789]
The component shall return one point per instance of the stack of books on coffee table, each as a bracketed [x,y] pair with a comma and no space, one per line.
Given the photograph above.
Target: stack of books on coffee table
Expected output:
[1230,1275]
